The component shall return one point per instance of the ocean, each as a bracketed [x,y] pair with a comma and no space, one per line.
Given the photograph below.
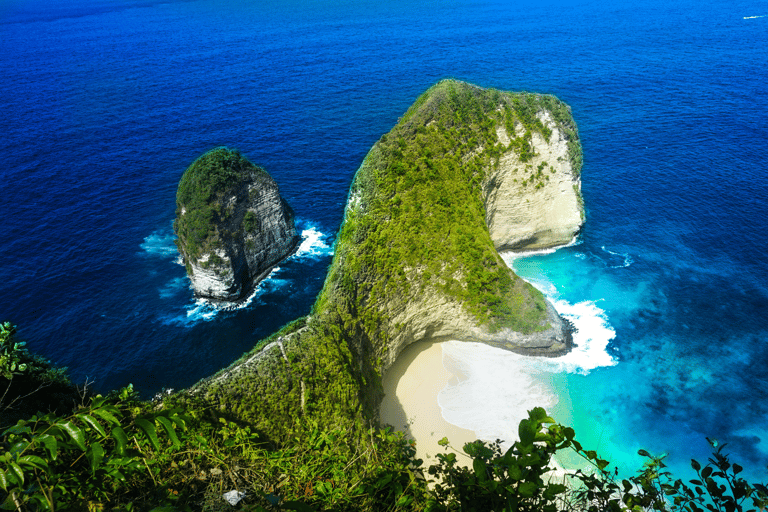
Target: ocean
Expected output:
[106,102]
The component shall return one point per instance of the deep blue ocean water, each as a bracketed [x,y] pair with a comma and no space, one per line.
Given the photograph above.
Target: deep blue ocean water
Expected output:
[105,103]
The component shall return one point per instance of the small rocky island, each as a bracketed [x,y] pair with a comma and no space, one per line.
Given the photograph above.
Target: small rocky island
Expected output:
[232,225]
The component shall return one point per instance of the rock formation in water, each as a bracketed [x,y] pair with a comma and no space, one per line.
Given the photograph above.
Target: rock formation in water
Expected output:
[232,225]
[466,172]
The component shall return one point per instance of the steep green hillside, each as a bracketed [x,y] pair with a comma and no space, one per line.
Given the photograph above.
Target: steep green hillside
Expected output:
[413,260]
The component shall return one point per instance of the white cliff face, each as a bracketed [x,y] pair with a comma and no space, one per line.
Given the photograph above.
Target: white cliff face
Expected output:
[255,232]
[535,204]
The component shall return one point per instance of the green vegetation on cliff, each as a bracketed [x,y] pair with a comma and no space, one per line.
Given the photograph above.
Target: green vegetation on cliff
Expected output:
[209,179]
[417,215]
[414,230]
[293,424]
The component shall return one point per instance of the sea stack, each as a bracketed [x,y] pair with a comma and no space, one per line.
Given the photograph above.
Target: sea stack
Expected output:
[232,225]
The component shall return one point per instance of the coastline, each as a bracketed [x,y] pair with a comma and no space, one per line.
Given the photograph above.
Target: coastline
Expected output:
[410,405]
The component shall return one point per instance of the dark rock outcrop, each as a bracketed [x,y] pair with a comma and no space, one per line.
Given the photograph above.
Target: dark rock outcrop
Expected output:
[232,225]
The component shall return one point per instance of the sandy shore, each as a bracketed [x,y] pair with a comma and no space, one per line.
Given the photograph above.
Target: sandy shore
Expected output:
[411,386]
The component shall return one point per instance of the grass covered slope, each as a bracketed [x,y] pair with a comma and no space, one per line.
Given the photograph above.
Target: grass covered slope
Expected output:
[413,260]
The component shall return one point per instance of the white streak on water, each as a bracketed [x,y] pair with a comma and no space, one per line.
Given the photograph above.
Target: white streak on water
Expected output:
[313,244]
[627,258]
[510,256]
[159,244]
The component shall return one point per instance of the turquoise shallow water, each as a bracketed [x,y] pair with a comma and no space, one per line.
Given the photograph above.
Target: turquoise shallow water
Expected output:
[106,102]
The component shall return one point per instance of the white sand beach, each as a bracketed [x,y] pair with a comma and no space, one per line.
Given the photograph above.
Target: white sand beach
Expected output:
[411,386]
[413,383]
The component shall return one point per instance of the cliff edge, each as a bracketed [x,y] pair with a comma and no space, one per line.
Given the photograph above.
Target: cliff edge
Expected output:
[232,225]
[465,172]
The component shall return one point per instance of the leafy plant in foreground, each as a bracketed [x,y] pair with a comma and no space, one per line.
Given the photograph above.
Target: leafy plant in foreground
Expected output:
[521,479]
[60,463]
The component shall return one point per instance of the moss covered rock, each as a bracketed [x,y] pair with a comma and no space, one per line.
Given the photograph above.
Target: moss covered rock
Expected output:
[232,225]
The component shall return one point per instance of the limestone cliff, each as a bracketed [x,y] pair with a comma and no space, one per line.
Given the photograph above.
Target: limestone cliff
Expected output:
[232,225]
[533,200]
[465,172]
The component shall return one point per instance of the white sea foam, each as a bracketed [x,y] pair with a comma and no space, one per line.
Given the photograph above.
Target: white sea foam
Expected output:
[592,336]
[159,244]
[497,389]
[202,310]
[626,257]
[313,244]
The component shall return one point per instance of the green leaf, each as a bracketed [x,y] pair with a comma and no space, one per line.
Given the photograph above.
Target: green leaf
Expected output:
[106,415]
[537,414]
[553,490]
[3,481]
[17,429]
[643,453]
[403,501]
[122,440]
[75,433]
[480,469]
[34,461]
[95,456]
[695,465]
[90,420]
[168,426]
[150,430]
[17,473]
[527,431]
[180,420]
[737,469]
[51,445]
[527,489]
[19,447]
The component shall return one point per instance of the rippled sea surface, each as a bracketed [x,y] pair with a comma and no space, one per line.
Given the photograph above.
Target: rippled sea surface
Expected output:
[105,103]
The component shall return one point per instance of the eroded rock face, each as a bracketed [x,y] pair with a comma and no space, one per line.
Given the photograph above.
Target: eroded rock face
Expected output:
[232,225]
[526,149]
[535,204]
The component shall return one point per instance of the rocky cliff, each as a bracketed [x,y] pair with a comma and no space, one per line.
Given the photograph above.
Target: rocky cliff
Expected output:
[533,198]
[232,225]
[466,171]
